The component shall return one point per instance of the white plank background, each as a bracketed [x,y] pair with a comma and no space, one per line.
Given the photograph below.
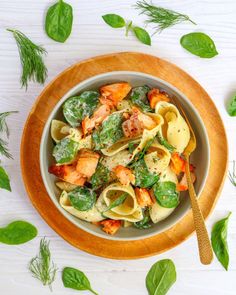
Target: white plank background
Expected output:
[91,37]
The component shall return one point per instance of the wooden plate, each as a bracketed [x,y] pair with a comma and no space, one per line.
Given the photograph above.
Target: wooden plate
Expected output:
[129,61]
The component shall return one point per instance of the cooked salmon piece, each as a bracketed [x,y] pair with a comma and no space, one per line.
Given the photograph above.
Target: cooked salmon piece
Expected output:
[133,127]
[87,161]
[183,185]
[143,197]
[147,121]
[178,164]
[124,175]
[154,96]
[68,173]
[114,93]
[88,124]
[110,226]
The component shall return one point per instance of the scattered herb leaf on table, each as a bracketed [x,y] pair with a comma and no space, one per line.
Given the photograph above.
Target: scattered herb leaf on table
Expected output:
[4,180]
[231,108]
[76,279]
[59,20]
[161,277]
[3,124]
[82,198]
[199,44]
[219,241]
[142,35]
[31,56]
[160,17]
[232,175]
[166,194]
[114,20]
[17,232]
[4,149]
[42,267]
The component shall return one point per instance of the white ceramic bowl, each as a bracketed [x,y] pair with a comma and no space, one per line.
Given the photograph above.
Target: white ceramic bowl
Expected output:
[200,158]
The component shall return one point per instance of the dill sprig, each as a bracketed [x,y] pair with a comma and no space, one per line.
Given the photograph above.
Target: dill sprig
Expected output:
[33,67]
[161,17]
[3,123]
[4,149]
[232,175]
[41,266]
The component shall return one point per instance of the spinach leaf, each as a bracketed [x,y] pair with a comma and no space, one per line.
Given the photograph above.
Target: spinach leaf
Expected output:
[4,180]
[165,143]
[231,108]
[143,178]
[109,132]
[138,97]
[120,200]
[59,19]
[161,277]
[145,222]
[131,147]
[219,241]
[100,177]
[114,20]
[82,198]
[199,44]
[76,108]
[17,232]
[76,279]
[142,35]
[166,194]
[65,150]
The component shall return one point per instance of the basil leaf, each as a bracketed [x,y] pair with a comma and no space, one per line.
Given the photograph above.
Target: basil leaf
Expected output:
[143,178]
[59,21]
[76,279]
[4,180]
[100,177]
[76,108]
[138,97]
[161,277]
[166,194]
[142,35]
[17,232]
[120,200]
[231,108]
[219,241]
[165,143]
[65,150]
[82,198]
[109,132]
[199,44]
[114,20]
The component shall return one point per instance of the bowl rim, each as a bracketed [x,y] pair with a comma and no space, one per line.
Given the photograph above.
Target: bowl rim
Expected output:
[46,128]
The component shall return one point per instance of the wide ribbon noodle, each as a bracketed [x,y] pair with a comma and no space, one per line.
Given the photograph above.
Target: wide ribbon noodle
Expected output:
[129,210]
[92,215]
[157,212]
[174,129]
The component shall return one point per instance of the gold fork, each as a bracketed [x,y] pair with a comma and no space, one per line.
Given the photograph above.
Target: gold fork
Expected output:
[204,245]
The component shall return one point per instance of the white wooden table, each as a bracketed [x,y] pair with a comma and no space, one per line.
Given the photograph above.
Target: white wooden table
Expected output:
[90,37]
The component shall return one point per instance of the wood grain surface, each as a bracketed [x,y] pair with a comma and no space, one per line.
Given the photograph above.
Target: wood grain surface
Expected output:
[32,136]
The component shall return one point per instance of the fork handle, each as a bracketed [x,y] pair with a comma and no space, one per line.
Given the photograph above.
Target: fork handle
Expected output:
[204,245]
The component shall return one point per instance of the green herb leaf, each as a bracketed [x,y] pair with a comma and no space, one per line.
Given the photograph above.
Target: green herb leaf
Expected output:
[128,28]
[120,200]
[4,180]
[143,178]
[231,108]
[82,198]
[166,194]
[3,123]
[131,147]
[76,279]
[138,97]
[145,222]
[4,149]
[65,151]
[31,56]
[41,266]
[199,44]
[232,175]
[100,177]
[219,241]
[17,232]
[160,17]
[76,108]
[165,143]
[109,132]
[142,35]
[114,20]
[161,277]
[59,20]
